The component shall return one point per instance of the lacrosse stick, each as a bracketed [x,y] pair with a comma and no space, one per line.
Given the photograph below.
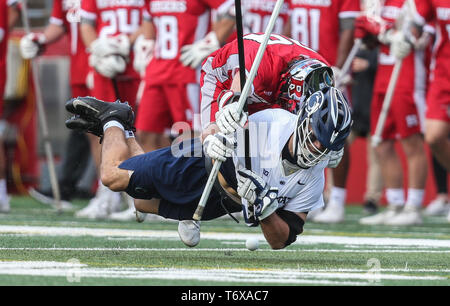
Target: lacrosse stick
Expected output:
[242,99]
[404,21]
[42,118]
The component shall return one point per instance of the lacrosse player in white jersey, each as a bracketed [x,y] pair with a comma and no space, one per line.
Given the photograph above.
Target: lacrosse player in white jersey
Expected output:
[289,154]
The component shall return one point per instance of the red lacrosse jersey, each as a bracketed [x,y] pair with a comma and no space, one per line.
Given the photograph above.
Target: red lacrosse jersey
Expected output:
[66,13]
[439,11]
[413,73]
[257,15]
[177,23]
[220,67]
[114,17]
[4,42]
[316,23]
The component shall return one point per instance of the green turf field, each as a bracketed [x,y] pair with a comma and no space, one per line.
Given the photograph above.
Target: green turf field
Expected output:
[39,247]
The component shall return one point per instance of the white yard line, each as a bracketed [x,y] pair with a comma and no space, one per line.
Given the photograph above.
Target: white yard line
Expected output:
[75,272]
[302,239]
[220,250]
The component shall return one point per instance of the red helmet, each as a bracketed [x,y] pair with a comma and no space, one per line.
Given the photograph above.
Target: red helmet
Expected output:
[303,77]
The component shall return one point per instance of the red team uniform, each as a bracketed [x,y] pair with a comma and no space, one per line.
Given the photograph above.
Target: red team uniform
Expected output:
[221,66]
[408,102]
[438,97]
[316,23]
[66,13]
[114,17]
[3,45]
[172,93]
[257,15]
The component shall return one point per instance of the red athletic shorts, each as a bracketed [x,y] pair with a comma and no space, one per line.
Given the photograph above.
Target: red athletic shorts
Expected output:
[403,118]
[438,101]
[162,106]
[104,89]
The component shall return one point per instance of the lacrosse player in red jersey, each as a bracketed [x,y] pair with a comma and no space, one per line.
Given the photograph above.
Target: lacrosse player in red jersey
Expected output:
[8,16]
[327,27]
[108,30]
[404,119]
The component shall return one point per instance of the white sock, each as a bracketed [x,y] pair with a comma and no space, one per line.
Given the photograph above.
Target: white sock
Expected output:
[337,196]
[113,123]
[395,196]
[415,197]
[129,134]
[3,190]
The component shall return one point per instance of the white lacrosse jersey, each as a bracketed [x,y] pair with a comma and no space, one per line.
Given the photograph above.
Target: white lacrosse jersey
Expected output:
[270,130]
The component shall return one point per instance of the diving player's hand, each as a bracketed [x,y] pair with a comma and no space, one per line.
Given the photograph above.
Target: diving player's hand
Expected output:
[255,190]
[228,118]
[219,146]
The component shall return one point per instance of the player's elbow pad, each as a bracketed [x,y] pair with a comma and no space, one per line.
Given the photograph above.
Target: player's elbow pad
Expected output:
[294,222]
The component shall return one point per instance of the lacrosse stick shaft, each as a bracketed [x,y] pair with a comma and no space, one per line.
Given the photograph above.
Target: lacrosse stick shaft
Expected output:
[42,117]
[242,99]
[348,61]
[376,138]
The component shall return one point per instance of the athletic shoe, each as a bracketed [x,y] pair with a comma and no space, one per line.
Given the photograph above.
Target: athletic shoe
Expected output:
[128,214]
[94,110]
[5,207]
[105,203]
[410,215]
[189,232]
[333,213]
[381,217]
[44,198]
[370,207]
[437,207]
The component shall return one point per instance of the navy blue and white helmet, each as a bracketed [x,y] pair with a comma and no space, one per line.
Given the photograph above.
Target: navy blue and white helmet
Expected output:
[325,116]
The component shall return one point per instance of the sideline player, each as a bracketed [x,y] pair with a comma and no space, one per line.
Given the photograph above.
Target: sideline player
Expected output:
[171,94]
[437,124]
[403,122]
[108,30]
[65,17]
[8,17]
[287,180]
[327,27]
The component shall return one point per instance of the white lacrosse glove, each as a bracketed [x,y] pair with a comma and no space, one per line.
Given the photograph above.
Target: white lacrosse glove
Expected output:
[31,45]
[108,66]
[255,190]
[143,53]
[400,47]
[335,158]
[114,45]
[219,146]
[227,118]
[193,55]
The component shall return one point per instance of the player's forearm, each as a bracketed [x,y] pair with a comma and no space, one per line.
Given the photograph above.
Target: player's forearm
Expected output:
[275,230]
[13,16]
[344,47]
[148,30]
[88,34]
[53,32]
[223,29]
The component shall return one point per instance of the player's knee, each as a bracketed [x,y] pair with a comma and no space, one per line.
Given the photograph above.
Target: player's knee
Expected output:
[113,181]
